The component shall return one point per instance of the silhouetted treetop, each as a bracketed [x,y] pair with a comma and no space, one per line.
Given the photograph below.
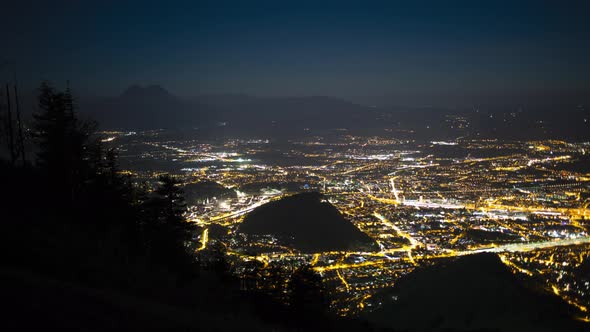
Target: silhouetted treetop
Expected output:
[64,142]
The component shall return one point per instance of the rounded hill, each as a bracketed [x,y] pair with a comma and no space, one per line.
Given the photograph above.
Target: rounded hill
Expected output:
[472,293]
[306,222]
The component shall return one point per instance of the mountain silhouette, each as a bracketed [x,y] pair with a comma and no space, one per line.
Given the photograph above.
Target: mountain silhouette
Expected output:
[308,223]
[471,293]
[153,107]
[147,107]
[280,115]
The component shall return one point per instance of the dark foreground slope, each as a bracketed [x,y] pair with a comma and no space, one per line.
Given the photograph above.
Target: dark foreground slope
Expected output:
[33,301]
[307,223]
[36,302]
[472,293]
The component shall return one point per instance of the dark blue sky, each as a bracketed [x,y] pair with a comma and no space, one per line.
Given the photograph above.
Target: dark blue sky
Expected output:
[337,48]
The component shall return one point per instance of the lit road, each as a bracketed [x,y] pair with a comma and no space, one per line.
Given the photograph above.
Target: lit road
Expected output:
[204,239]
[524,247]
[398,230]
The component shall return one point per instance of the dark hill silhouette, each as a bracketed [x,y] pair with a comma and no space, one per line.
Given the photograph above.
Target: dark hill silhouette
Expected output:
[219,115]
[471,293]
[146,108]
[154,107]
[287,115]
[307,223]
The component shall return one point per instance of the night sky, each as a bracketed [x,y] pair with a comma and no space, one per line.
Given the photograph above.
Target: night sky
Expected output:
[344,48]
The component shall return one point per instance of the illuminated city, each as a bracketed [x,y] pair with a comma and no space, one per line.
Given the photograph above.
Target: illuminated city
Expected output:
[420,201]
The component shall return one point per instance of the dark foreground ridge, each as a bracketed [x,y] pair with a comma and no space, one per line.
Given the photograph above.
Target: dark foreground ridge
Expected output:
[308,223]
[472,293]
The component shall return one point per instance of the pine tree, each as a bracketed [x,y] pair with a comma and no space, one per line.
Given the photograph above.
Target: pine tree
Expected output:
[63,141]
[170,236]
